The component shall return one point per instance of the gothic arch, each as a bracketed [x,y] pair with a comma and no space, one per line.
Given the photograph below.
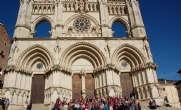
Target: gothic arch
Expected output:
[39,19]
[83,50]
[33,54]
[129,52]
[121,20]
[78,16]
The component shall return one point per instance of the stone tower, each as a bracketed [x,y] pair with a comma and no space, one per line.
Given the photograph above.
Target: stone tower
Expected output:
[81,57]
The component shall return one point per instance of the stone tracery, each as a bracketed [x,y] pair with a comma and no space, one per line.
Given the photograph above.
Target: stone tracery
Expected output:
[82,24]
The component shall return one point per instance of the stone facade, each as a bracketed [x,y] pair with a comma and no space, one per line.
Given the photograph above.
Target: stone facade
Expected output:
[178,86]
[81,43]
[4,48]
[170,91]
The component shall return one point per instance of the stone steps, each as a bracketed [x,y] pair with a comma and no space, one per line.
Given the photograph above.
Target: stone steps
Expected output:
[143,107]
[161,108]
[39,107]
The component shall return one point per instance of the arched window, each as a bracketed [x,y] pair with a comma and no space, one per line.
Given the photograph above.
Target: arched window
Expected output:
[43,30]
[119,30]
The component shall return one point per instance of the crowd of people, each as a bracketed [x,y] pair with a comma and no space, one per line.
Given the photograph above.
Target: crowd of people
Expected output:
[103,103]
[4,104]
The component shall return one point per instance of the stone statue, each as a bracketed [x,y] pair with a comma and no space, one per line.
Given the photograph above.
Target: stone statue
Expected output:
[81,6]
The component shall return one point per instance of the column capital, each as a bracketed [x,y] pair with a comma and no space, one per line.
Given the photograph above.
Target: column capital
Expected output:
[82,72]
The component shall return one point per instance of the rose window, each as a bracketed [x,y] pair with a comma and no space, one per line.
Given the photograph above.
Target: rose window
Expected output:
[82,24]
[124,64]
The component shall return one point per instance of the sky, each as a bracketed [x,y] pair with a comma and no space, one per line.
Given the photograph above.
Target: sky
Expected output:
[162,20]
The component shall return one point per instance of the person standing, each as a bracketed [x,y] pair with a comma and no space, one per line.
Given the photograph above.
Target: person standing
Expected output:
[29,106]
[26,105]
[139,106]
[52,106]
[7,104]
[3,103]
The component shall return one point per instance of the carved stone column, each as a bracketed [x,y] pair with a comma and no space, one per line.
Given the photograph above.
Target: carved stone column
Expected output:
[148,93]
[83,74]
[143,93]
[105,92]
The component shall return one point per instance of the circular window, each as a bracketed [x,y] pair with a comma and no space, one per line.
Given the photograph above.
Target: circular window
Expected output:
[39,66]
[81,24]
[124,64]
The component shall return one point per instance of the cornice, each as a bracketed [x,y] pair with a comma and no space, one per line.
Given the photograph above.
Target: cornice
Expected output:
[78,38]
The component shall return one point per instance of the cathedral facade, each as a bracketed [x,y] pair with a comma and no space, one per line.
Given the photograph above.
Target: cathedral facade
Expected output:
[81,57]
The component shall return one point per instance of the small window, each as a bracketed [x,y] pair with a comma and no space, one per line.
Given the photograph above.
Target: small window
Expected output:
[163,89]
[4,33]
[5,44]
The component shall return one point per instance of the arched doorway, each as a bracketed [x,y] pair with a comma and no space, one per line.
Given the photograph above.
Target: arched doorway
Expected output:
[82,81]
[37,88]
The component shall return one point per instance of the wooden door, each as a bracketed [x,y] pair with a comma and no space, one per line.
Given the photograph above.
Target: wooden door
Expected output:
[37,90]
[76,86]
[89,85]
[126,84]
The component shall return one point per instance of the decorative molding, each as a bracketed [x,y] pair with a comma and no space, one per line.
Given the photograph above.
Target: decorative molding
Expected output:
[17,69]
[144,66]
[18,91]
[59,90]
[58,68]
[107,67]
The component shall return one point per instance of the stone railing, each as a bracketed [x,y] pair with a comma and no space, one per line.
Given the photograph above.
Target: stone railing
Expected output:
[92,6]
[43,8]
[74,6]
[68,5]
[44,1]
[116,7]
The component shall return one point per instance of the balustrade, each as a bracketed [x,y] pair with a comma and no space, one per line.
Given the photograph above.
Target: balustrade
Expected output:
[117,9]
[43,9]
[73,6]
[44,1]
